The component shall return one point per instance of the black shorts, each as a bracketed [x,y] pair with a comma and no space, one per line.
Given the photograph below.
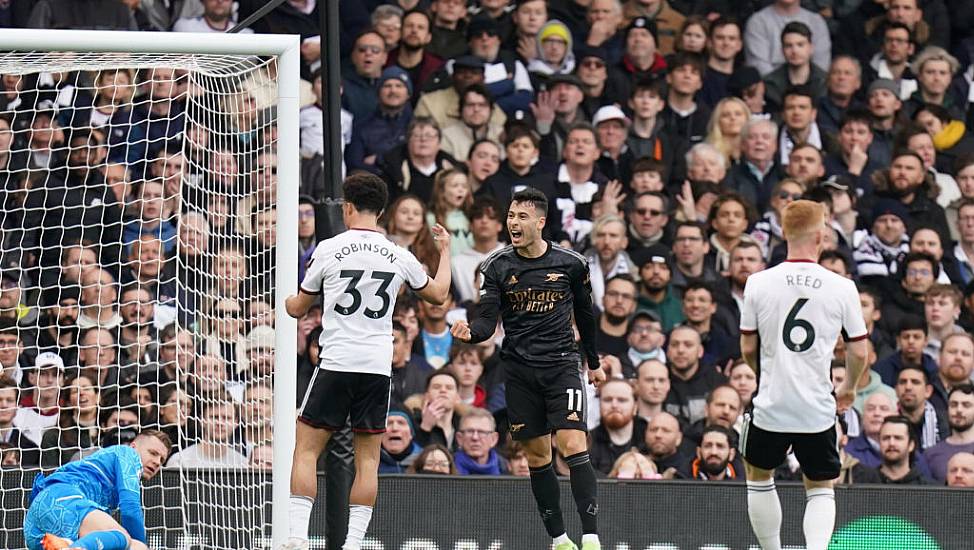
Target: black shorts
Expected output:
[543,400]
[818,453]
[333,397]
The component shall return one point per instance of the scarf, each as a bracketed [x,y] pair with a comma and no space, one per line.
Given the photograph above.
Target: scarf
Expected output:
[949,136]
[469,466]
[598,278]
[637,358]
[930,435]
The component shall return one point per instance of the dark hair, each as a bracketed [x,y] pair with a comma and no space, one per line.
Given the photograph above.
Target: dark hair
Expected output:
[54,295]
[861,116]
[921,370]
[9,326]
[420,462]
[963,162]
[480,90]
[904,421]
[623,277]
[649,164]
[659,195]
[485,205]
[796,27]
[398,327]
[921,257]
[726,432]
[935,110]
[366,192]
[876,296]
[8,383]
[417,11]
[696,225]
[723,21]
[710,394]
[652,84]
[441,372]
[911,322]
[517,129]
[963,388]
[698,284]
[896,25]
[418,121]
[691,59]
[800,90]
[834,255]
[535,197]
[731,196]
[480,142]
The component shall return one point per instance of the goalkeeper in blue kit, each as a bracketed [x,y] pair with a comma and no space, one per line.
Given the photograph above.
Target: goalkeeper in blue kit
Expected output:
[70,508]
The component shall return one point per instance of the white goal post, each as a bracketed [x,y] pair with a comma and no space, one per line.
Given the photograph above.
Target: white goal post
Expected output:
[57,50]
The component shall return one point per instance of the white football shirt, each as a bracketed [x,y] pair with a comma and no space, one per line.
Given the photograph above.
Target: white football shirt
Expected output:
[798,309]
[359,273]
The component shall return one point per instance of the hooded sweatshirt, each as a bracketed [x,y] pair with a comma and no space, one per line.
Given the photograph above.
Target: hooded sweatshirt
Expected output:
[553,28]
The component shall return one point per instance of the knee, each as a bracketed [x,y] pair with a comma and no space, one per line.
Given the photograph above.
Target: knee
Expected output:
[572,442]
[136,545]
[757,474]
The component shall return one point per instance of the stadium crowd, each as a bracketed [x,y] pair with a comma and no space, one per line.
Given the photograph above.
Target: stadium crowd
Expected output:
[667,134]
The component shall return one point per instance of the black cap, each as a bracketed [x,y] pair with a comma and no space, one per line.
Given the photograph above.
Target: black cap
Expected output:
[642,23]
[565,79]
[585,50]
[648,314]
[469,62]
[656,253]
[837,182]
[480,25]
[742,78]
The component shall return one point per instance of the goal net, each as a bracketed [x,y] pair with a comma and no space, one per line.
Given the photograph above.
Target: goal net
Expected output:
[140,248]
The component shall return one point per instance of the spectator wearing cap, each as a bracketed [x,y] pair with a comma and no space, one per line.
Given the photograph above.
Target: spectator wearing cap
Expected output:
[449,28]
[845,218]
[685,119]
[878,255]
[762,37]
[798,69]
[619,429]
[360,80]
[935,70]
[476,104]
[504,75]
[641,57]
[892,61]
[757,173]
[556,110]
[645,338]
[603,83]
[443,106]
[842,87]
[723,46]
[40,403]
[612,127]
[413,55]
[656,293]
[399,449]
[852,159]
[555,54]
[384,128]
[884,106]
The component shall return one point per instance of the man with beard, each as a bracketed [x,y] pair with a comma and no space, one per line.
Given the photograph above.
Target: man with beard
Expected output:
[645,338]
[664,439]
[954,367]
[723,409]
[656,294]
[715,456]
[913,391]
[652,386]
[59,330]
[690,380]
[399,450]
[412,55]
[897,445]
[906,181]
[806,165]
[618,304]
[609,258]
[960,418]
[619,429]
[384,128]
[746,259]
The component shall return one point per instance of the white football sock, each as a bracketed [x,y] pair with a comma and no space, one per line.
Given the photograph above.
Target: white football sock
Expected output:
[562,538]
[358,523]
[591,537]
[764,509]
[819,518]
[300,512]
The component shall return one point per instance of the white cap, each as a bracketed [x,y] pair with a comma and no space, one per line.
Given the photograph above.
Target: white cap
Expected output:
[261,336]
[609,112]
[49,359]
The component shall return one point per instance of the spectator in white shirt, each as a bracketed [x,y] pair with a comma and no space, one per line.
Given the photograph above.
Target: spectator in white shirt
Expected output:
[219,419]
[217,17]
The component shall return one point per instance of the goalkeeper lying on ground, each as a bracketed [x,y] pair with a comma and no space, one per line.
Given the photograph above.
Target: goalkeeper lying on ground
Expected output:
[70,509]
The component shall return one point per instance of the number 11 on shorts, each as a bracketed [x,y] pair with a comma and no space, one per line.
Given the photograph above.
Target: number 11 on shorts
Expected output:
[574,399]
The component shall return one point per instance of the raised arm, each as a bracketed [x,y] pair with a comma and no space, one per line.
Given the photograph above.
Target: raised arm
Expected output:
[128,485]
[437,290]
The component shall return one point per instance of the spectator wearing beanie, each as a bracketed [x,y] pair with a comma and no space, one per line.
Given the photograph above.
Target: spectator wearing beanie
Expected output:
[385,128]
[399,448]
[878,255]
[641,58]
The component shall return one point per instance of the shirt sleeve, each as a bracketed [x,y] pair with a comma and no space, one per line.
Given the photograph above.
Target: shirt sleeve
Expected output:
[853,323]
[128,484]
[314,273]
[749,314]
[413,272]
[488,307]
[585,315]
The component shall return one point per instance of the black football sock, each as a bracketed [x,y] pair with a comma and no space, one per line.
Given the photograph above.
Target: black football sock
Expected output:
[584,489]
[544,485]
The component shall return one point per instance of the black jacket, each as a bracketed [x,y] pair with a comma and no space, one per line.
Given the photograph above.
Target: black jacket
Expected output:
[604,452]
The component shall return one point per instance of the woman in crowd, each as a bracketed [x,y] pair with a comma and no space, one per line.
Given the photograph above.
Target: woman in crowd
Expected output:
[724,129]
[406,226]
[435,459]
[452,199]
[77,426]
